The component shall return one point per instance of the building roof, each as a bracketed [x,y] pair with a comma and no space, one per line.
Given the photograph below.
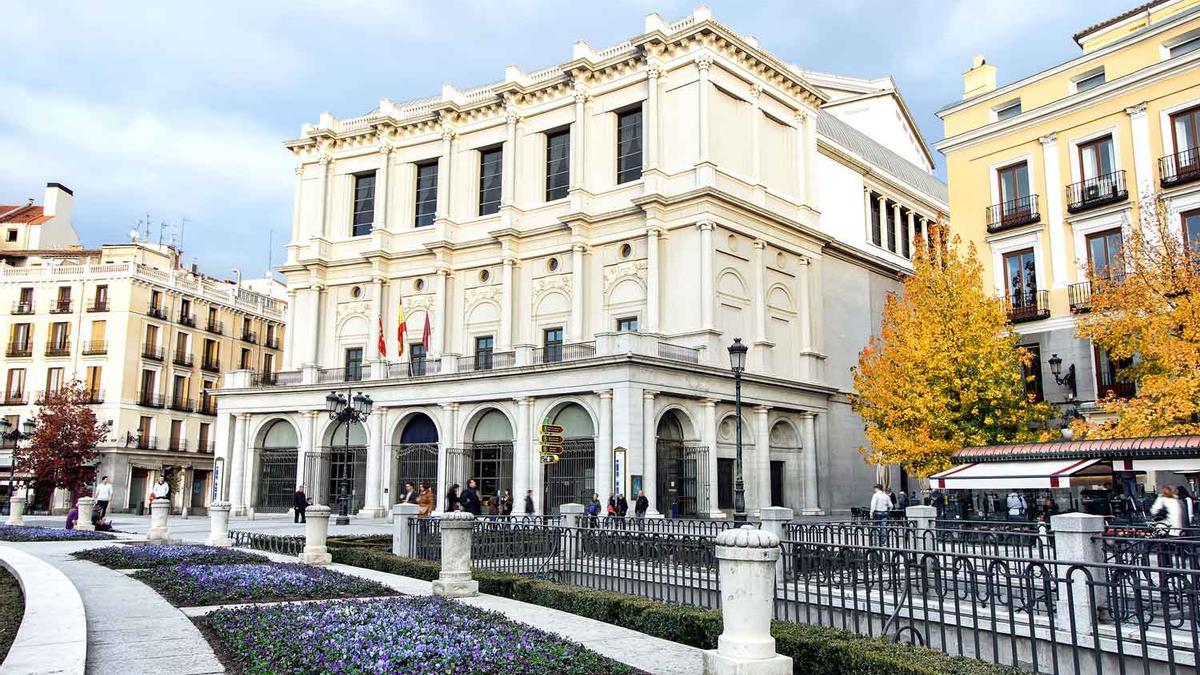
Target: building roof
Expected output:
[30,213]
[1116,19]
[1106,448]
[877,154]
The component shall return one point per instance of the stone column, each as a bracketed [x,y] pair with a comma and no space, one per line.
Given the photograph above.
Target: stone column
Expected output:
[707,296]
[454,580]
[652,235]
[506,303]
[297,200]
[812,194]
[310,453]
[1075,542]
[1054,213]
[373,499]
[808,370]
[650,454]
[897,227]
[438,339]
[316,530]
[323,211]
[86,506]
[867,223]
[381,187]
[16,509]
[704,64]
[577,292]
[509,158]
[237,458]
[444,182]
[578,144]
[924,519]
[760,362]
[756,137]
[158,532]
[289,347]
[314,355]
[1143,163]
[762,456]
[523,456]
[812,503]
[402,515]
[883,221]
[746,559]
[604,484]
[218,520]
[710,439]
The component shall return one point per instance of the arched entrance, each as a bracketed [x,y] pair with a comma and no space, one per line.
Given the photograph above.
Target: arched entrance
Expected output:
[277,448]
[682,465]
[573,478]
[490,453]
[347,461]
[415,449]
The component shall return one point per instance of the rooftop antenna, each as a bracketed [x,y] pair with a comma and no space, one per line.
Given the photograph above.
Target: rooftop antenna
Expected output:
[162,225]
[182,228]
[146,227]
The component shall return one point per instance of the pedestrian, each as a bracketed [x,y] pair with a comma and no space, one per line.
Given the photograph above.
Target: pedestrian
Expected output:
[453,502]
[1015,503]
[880,505]
[300,502]
[593,510]
[622,505]
[409,496]
[506,504]
[641,504]
[611,509]
[1167,512]
[469,500]
[161,489]
[72,517]
[425,500]
[101,524]
[891,497]
[1188,504]
[529,509]
[493,505]
[103,496]
[902,500]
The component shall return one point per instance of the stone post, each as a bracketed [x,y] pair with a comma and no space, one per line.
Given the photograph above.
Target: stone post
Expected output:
[454,580]
[316,529]
[402,515]
[85,505]
[218,518]
[924,519]
[746,559]
[159,510]
[1076,546]
[775,520]
[16,510]
[573,520]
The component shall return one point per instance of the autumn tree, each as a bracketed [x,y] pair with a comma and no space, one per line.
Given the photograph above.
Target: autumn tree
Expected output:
[945,371]
[62,450]
[1146,309]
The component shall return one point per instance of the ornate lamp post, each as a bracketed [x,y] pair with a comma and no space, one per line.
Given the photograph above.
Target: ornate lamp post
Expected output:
[737,363]
[1067,380]
[14,436]
[346,410]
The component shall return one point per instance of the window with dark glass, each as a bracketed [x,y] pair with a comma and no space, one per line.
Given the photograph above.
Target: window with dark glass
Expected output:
[1033,373]
[891,227]
[1011,110]
[1108,375]
[1096,157]
[1185,47]
[876,222]
[627,324]
[904,246]
[1104,250]
[725,471]
[1090,81]
[364,203]
[1020,278]
[426,200]
[629,145]
[558,164]
[1185,129]
[552,349]
[1191,230]
[353,364]
[1013,182]
[417,352]
[491,168]
[483,352]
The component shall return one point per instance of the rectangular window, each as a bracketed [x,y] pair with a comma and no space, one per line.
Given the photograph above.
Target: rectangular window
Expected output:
[1191,230]
[1096,158]
[627,324]
[483,352]
[179,390]
[558,164]
[1008,111]
[54,380]
[1020,280]
[891,227]
[1090,81]
[876,222]
[426,198]
[16,384]
[20,336]
[210,351]
[1013,182]
[417,355]
[629,145]
[1186,47]
[176,434]
[905,234]
[552,345]
[143,432]
[268,364]
[491,168]
[725,471]
[155,300]
[1108,376]
[1104,249]
[244,363]
[202,439]
[93,383]
[1033,373]
[364,203]
[101,297]
[12,235]
[60,334]
[354,359]
[1185,130]
[151,336]
[181,345]
[149,388]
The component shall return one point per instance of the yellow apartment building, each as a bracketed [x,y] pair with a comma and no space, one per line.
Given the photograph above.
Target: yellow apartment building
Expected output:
[1047,175]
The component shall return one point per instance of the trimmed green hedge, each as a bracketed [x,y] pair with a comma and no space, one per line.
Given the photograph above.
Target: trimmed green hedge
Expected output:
[815,650]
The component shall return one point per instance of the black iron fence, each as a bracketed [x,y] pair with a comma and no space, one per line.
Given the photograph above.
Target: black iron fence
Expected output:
[272,543]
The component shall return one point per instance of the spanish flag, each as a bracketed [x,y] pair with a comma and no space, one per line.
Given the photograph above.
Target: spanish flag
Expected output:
[382,341]
[400,328]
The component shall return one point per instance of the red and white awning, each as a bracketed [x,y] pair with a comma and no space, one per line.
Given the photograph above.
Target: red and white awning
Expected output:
[1179,465]
[1032,475]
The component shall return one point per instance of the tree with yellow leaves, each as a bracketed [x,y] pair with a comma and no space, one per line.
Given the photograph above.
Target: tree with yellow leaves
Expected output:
[946,370]
[1147,310]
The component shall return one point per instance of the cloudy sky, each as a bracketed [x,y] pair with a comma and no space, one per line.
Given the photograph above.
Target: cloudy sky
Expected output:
[177,110]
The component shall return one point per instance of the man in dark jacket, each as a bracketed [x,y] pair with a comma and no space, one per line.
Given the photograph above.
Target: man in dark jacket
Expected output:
[300,502]
[622,506]
[529,510]
[410,494]
[469,499]
[640,506]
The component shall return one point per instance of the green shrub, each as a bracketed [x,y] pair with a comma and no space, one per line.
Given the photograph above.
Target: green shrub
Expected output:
[815,650]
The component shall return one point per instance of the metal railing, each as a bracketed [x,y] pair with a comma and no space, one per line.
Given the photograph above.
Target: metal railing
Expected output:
[157,313]
[1013,213]
[94,396]
[414,368]
[1027,306]
[183,359]
[271,543]
[211,365]
[60,307]
[95,348]
[1096,191]
[188,320]
[182,404]
[557,353]
[217,327]
[208,405]
[354,373]
[281,378]
[152,352]
[22,308]
[14,398]
[100,305]
[486,361]
[272,342]
[19,349]
[250,336]
[1180,167]
[666,350]
[58,348]
[150,400]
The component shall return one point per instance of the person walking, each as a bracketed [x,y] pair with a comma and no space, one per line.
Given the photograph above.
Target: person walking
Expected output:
[880,506]
[469,500]
[622,506]
[506,505]
[593,511]
[611,509]
[1188,504]
[300,502]
[1015,503]
[1167,512]
[104,493]
[453,502]
[641,504]
[161,490]
[529,509]
[425,501]
[410,494]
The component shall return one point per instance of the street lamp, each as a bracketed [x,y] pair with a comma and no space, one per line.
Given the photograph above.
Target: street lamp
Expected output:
[1067,380]
[14,436]
[346,410]
[737,363]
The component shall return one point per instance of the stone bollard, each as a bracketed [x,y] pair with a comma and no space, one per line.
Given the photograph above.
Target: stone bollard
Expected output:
[746,558]
[218,520]
[573,522]
[158,533]
[315,532]
[454,580]
[402,529]
[85,506]
[1074,543]
[16,510]
[775,520]
[924,519]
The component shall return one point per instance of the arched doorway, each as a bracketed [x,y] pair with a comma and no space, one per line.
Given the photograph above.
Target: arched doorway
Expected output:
[681,465]
[573,478]
[490,453]
[415,449]
[277,449]
[347,461]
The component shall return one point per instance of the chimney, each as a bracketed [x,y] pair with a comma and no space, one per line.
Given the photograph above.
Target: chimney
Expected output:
[58,201]
[980,79]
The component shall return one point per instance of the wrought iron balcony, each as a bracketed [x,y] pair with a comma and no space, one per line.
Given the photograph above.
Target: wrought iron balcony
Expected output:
[22,308]
[206,447]
[150,399]
[60,307]
[14,398]
[152,352]
[217,327]
[352,373]
[557,353]
[188,320]
[487,361]
[157,313]
[1014,213]
[1181,167]
[145,442]
[19,349]
[1118,388]
[1028,306]
[182,404]
[98,305]
[250,336]
[419,367]
[1080,296]
[211,365]
[94,397]
[272,341]
[58,348]
[1098,191]
[183,358]
[177,444]
[95,348]
[208,404]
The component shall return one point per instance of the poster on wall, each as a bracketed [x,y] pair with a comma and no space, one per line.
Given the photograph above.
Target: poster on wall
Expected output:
[218,479]
[635,485]
[619,471]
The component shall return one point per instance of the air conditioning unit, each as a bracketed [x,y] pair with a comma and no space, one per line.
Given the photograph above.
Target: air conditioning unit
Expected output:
[1091,192]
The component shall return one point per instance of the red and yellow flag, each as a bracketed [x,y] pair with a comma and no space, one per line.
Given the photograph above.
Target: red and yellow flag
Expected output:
[400,328]
[382,342]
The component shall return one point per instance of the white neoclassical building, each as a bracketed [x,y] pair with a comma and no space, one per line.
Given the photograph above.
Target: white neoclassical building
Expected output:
[583,243]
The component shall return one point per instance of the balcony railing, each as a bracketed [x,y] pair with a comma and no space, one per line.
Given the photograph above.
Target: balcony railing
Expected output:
[183,359]
[22,308]
[94,396]
[152,352]
[95,348]
[60,307]
[414,368]
[177,444]
[343,374]
[59,348]
[486,361]
[278,379]
[145,442]
[19,349]
[206,447]
[1028,306]
[14,398]
[188,320]
[272,342]
[1014,213]
[250,336]
[157,313]
[211,365]
[1106,189]
[1117,387]
[182,404]
[1181,167]
[557,353]
[98,305]
[217,327]
[208,405]
[666,350]
[150,399]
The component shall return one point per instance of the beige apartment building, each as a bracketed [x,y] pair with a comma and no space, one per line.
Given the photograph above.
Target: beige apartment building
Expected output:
[147,337]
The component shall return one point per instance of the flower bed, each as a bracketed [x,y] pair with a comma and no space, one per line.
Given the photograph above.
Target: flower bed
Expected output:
[145,556]
[190,585]
[31,533]
[391,635]
[12,609]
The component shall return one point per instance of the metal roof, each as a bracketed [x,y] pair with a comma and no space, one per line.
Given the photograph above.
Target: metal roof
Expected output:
[875,153]
[1101,448]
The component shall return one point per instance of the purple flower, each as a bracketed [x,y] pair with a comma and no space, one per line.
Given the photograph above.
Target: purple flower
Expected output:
[144,555]
[31,533]
[194,584]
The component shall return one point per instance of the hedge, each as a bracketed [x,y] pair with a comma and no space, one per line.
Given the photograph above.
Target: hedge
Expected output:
[815,650]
